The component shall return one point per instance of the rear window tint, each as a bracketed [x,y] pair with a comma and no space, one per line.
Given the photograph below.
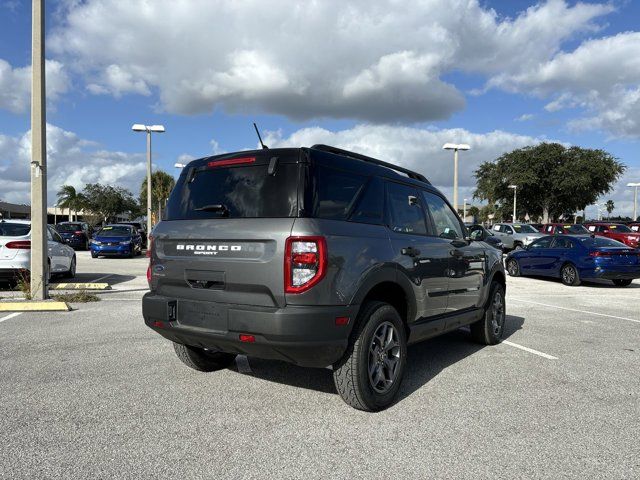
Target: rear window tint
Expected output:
[68,227]
[334,192]
[8,229]
[370,208]
[246,191]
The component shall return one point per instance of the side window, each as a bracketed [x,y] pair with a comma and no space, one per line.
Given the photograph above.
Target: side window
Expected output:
[562,243]
[49,237]
[371,204]
[336,192]
[549,229]
[404,209]
[446,222]
[544,242]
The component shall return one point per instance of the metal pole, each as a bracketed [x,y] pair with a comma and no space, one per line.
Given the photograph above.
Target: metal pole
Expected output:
[455,179]
[464,210]
[635,204]
[515,190]
[39,250]
[148,187]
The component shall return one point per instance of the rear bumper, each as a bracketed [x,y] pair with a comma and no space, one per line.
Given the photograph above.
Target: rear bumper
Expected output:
[304,335]
[11,273]
[74,241]
[609,274]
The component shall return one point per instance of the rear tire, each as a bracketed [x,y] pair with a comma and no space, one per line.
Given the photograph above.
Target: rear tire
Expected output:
[203,360]
[517,246]
[569,275]
[94,255]
[71,273]
[622,282]
[370,374]
[489,330]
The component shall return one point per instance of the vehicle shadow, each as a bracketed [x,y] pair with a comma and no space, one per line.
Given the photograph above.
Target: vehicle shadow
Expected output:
[110,278]
[425,360]
[586,283]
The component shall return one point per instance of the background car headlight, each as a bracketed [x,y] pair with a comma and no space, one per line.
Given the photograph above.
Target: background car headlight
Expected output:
[128,242]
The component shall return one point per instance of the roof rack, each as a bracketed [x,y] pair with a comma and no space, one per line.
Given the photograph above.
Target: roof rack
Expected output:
[347,153]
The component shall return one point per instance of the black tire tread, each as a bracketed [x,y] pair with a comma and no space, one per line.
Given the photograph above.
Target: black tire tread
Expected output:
[480,330]
[202,361]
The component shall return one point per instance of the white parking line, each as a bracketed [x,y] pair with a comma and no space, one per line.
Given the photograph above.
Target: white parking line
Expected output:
[575,310]
[530,350]
[11,315]
[242,362]
[101,278]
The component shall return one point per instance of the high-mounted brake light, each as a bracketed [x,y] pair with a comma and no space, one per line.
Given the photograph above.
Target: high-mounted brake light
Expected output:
[305,263]
[19,245]
[231,161]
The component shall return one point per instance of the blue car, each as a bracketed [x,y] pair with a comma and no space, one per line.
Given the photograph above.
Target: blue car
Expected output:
[119,240]
[576,258]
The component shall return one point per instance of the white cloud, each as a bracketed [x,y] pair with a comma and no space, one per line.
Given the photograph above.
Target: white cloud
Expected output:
[601,76]
[382,62]
[524,117]
[15,85]
[70,160]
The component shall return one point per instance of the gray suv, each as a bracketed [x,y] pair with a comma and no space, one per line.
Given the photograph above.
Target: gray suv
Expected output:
[319,257]
[516,235]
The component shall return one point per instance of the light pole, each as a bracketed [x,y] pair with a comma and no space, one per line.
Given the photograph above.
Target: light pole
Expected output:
[155,129]
[515,190]
[464,210]
[455,147]
[39,250]
[635,199]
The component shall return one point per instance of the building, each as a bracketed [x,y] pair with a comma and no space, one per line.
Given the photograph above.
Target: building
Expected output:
[13,210]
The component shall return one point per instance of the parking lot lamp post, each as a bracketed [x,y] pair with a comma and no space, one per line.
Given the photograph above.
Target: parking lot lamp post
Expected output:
[464,209]
[515,190]
[635,199]
[149,129]
[455,147]
[39,250]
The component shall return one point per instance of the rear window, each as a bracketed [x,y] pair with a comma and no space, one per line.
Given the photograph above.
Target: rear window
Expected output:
[601,242]
[8,229]
[235,191]
[68,227]
[576,229]
[334,192]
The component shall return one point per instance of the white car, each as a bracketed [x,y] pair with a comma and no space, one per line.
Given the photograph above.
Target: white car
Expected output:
[15,251]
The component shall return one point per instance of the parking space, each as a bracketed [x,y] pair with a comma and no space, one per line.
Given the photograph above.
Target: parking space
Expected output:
[94,393]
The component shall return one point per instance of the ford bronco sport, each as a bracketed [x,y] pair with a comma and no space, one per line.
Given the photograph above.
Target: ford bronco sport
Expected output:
[319,257]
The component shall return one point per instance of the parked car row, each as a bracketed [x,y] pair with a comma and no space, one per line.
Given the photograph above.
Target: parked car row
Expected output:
[122,238]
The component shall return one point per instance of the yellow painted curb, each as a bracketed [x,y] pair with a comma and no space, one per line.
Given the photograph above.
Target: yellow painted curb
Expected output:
[79,286]
[29,306]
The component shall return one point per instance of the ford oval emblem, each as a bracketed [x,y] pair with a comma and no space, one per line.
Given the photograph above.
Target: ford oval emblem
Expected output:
[158,268]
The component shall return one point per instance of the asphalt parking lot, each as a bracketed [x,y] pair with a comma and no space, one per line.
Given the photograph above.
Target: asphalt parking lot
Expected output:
[94,393]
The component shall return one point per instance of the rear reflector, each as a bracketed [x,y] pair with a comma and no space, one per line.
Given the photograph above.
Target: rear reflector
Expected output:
[158,324]
[342,321]
[19,244]
[247,338]
[149,275]
[231,161]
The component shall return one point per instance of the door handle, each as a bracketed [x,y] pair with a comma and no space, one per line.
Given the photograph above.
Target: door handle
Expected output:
[410,251]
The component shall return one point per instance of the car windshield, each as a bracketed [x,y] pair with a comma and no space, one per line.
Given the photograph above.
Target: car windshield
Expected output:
[524,229]
[601,242]
[576,229]
[68,227]
[8,229]
[620,228]
[115,231]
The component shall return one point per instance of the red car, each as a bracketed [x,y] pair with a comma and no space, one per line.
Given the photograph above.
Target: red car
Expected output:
[616,231]
[563,229]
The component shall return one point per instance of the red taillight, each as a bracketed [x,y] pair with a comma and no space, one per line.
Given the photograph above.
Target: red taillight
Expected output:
[149,274]
[79,232]
[19,245]
[247,338]
[305,263]
[231,161]
[600,253]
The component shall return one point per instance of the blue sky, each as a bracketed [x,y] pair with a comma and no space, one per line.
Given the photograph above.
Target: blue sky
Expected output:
[395,80]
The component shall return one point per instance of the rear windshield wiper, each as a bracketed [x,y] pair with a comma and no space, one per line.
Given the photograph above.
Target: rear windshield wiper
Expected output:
[218,207]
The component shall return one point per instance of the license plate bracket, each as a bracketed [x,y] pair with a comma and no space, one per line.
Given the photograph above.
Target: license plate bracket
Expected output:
[207,315]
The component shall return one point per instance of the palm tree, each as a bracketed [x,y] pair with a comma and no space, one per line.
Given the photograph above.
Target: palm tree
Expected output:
[161,185]
[609,206]
[69,198]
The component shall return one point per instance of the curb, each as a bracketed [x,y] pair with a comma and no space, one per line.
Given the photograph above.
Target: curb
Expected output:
[29,306]
[79,286]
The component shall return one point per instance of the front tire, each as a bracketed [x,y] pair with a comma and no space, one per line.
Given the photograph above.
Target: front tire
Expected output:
[370,374]
[94,255]
[489,330]
[569,275]
[203,360]
[71,273]
[622,282]
[513,267]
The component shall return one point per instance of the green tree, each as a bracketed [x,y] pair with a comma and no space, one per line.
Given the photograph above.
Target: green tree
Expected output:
[161,185]
[552,179]
[107,201]
[610,206]
[70,198]
[474,211]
